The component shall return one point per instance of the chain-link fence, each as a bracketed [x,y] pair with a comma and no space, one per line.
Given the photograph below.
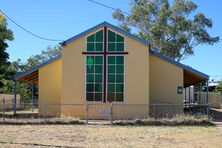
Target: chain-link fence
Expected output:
[34,113]
[20,105]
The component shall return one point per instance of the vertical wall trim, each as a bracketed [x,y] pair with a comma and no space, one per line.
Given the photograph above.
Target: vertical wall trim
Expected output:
[32,93]
[104,63]
[189,98]
[207,103]
[200,93]
[186,94]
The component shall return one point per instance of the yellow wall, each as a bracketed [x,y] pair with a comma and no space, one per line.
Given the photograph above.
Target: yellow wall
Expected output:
[136,72]
[148,80]
[164,80]
[50,87]
[73,75]
[73,78]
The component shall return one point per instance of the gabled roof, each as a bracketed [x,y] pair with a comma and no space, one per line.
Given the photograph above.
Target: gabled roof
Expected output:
[178,64]
[107,25]
[124,33]
[36,68]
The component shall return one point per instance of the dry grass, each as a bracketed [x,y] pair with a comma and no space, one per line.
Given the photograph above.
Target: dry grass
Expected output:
[108,136]
[182,120]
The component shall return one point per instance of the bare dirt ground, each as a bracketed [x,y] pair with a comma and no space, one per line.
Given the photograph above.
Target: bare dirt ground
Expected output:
[217,118]
[108,136]
[219,126]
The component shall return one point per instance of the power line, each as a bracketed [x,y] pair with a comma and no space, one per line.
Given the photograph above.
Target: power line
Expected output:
[115,9]
[43,38]
[29,32]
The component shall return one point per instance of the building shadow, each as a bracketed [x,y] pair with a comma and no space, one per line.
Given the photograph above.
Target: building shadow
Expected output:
[216,114]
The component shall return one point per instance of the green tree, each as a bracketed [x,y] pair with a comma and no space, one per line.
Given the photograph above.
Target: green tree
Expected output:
[8,84]
[5,35]
[44,56]
[219,87]
[173,29]
[18,66]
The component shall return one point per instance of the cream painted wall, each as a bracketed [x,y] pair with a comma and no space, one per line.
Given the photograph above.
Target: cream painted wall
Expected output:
[164,80]
[148,79]
[50,87]
[136,72]
[73,78]
[73,72]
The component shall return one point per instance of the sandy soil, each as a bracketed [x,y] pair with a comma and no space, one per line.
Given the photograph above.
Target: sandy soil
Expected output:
[108,136]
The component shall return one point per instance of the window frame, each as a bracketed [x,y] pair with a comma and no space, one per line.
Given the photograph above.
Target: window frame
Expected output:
[124,65]
[112,53]
[94,80]
[107,44]
[93,33]
[124,80]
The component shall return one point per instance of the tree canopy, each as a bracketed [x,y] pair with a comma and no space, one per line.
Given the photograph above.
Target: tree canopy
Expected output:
[173,29]
[45,55]
[219,87]
[5,35]
[18,66]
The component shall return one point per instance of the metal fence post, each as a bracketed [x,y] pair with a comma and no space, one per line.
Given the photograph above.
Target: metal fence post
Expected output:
[111,113]
[45,111]
[174,109]
[87,112]
[207,99]
[3,110]
[33,95]
[194,108]
[12,103]
[32,106]
[154,107]
[200,110]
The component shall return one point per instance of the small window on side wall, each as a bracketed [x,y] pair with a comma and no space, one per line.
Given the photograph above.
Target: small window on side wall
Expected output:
[179,90]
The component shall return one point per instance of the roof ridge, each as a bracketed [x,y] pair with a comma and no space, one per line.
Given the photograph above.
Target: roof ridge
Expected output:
[187,67]
[36,67]
[108,25]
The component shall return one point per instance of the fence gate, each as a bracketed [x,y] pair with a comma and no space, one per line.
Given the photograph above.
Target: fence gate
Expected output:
[99,111]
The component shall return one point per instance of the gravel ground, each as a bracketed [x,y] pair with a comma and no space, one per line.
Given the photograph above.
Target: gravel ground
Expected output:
[108,136]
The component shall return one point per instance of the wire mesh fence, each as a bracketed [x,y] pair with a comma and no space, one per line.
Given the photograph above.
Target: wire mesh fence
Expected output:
[35,113]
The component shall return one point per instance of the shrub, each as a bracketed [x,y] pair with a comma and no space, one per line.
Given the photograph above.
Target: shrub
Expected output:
[41,121]
[175,121]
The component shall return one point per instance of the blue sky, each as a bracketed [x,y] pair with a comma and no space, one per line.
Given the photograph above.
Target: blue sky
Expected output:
[63,19]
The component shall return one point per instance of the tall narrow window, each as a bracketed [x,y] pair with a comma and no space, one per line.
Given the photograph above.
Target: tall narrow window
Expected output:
[115,78]
[115,68]
[94,78]
[105,66]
